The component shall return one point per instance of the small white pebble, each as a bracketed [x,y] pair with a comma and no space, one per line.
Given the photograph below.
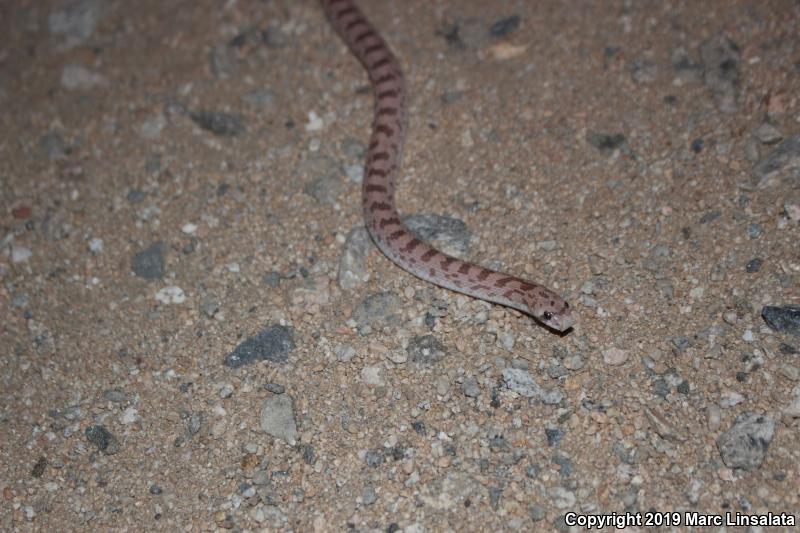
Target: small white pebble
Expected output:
[129,416]
[792,211]
[507,340]
[696,293]
[371,375]
[547,246]
[171,295]
[614,356]
[96,245]
[748,336]
[20,254]
[397,357]
[714,415]
[189,228]
[730,398]
[314,122]
[355,173]
[344,353]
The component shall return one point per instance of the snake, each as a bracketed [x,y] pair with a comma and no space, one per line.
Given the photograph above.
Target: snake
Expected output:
[383,158]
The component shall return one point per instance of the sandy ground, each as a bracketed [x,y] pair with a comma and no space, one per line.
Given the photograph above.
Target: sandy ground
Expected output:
[197,334]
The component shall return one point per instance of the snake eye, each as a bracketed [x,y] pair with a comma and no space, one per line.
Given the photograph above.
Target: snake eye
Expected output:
[547,315]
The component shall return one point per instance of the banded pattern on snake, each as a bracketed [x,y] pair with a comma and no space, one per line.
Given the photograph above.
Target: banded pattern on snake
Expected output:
[383,222]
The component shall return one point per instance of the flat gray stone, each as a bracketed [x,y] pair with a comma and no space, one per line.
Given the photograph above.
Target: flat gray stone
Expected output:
[277,418]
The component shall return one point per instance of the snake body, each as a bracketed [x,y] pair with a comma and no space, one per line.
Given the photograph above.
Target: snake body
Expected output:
[382,220]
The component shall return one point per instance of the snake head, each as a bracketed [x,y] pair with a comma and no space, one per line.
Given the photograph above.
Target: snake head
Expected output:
[550,309]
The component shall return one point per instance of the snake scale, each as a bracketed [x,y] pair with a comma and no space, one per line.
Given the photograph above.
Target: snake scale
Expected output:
[383,222]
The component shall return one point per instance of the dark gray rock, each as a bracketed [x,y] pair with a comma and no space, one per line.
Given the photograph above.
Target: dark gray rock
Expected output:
[149,263]
[426,350]
[222,124]
[272,344]
[102,439]
[782,319]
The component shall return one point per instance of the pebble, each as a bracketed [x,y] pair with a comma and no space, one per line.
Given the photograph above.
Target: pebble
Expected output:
[426,350]
[20,254]
[220,124]
[729,399]
[95,245]
[344,354]
[277,418]
[322,177]
[614,356]
[554,436]
[149,263]
[784,319]
[547,246]
[573,362]
[746,443]
[448,233]
[781,161]
[379,309]
[80,78]
[272,279]
[273,344]
[521,382]
[129,416]
[171,294]
[209,306]
[368,495]
[114,396]
[374,458]
[754,265]
[507,340]
[504,26]
[713,417]
[315,123]
[793,409]
[768,134]
[754,230]
[790,372]
[353,269]
[470,388]
[355,172]
[537,512]
[275,388]
[371,375]
[102,439]
[792,212]
[606,142]
[562,498]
